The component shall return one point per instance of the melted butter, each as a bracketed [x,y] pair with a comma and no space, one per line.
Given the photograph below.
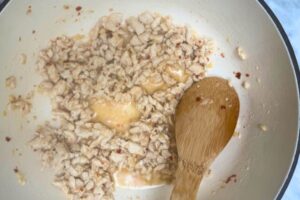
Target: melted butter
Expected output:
[155,83]
[177,72]
[78,37]
[209,65]
[124,178]
[152,84]
[115,115]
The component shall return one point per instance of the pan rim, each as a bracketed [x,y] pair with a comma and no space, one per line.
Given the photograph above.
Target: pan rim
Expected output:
[294,62]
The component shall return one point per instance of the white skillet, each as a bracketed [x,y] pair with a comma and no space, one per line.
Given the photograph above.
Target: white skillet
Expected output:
[263,162]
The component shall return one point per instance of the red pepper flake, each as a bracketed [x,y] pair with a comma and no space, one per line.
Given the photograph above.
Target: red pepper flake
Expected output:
[118,151]
[7,139]
[171,157]
[16,170]
[238,75]
[78,8]
[247,75]
[222,55]
[223,107]
[198,99]
[97,174]
[231,178]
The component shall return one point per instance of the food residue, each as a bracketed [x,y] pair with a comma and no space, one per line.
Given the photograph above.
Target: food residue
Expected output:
[78,8]
[20,103]
[78,37]
[16,152]
[241,53]
[231,178]
[4,113]
[236,134]
[246,85]
[205,101]
[263,127]
[238,75]
[29,10]
[208,173]
[229,83]
[198,99]
[209,65]
[222,55]
[11,82]
[258,80]
[23,59]
[66,7]
[20,176]
[7,139]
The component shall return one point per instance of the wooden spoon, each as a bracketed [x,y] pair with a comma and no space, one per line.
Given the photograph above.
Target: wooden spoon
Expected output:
[205,119]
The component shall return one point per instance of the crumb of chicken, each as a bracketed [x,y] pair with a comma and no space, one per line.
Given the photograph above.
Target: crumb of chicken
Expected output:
[241,53]
[246,85]
[11,82]
[20,103]
[23,59]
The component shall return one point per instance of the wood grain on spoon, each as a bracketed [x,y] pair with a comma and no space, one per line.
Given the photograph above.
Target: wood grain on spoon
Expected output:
[205,119]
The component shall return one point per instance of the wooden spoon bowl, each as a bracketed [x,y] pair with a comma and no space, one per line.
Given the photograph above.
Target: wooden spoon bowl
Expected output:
[205,120]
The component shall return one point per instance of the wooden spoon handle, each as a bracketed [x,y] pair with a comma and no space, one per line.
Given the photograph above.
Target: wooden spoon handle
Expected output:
[186,185]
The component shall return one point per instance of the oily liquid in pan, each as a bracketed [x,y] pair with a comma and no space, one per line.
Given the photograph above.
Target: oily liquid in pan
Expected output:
[118,116]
